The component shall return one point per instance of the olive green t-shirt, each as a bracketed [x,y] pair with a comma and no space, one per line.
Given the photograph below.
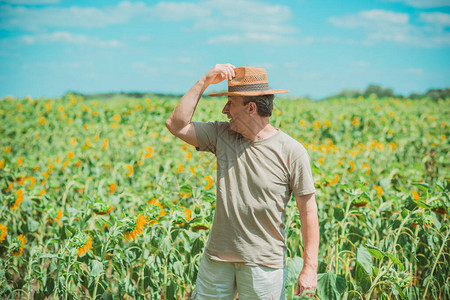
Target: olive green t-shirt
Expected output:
[255,180]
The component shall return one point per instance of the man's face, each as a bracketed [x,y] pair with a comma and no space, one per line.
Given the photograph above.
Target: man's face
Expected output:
[237,112]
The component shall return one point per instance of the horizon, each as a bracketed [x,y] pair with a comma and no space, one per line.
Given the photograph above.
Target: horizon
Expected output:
[313,48]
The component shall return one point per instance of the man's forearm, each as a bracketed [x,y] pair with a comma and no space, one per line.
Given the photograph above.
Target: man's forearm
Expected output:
[307,207]
[310,236]
[183,112]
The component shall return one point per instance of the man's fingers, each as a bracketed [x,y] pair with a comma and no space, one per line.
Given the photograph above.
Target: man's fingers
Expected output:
[222,72]
[229,71]
[299,291]
[309,292]
[231,67]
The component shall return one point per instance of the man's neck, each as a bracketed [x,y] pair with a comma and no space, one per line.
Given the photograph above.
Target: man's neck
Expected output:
[261,131]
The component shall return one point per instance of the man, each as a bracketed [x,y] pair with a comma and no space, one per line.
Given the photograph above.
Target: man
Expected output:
[258,168]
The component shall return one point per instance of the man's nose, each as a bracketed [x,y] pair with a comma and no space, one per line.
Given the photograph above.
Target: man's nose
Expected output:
[225,109]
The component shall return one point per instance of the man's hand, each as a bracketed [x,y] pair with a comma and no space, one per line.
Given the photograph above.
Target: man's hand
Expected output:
[219,73]
[179,122]
[307,281]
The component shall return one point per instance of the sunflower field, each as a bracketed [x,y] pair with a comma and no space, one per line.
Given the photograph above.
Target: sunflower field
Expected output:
[99,201]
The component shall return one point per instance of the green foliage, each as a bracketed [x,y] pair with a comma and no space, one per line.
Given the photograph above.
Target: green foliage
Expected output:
[87,169]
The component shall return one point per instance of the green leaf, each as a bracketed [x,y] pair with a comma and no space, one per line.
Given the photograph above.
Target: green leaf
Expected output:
[396,261]
[375,252]
[397,290]
[197,246]
[166,246]
[294,267]
[186,188]
[171,290]
[209,197]
[48,256]
[344,186]
[365,197]
[339,214]
[362,278]
[69,231]
[440,186]
[32,225]
[330,286]
[364,258]
[178,269]
[96,268]
[421,186]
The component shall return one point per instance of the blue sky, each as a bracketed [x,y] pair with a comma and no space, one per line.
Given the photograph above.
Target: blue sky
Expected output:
[312,47]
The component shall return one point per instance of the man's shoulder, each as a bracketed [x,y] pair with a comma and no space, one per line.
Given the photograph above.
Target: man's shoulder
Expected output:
[218,125]
[291,146]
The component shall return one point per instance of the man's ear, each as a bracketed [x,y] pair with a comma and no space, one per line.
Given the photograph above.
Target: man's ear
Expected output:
[252,107]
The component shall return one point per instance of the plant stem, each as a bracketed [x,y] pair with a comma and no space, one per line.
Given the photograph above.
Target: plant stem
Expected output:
[444,243]
[375,282]
[95,289]
[399,231]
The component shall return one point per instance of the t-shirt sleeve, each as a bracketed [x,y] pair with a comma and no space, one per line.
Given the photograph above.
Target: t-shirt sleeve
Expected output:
[301,180]
[206,136]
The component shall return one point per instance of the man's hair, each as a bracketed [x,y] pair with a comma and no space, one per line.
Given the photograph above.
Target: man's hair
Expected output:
[264,103]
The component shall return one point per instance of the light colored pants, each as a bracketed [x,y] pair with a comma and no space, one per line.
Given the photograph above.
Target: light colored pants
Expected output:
[223,280]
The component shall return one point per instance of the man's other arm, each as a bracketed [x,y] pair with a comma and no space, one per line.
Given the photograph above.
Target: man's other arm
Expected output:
[307,206]
[179,122]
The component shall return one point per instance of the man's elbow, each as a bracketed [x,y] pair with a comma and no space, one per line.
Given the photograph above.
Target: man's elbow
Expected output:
[170,126]
[175,127]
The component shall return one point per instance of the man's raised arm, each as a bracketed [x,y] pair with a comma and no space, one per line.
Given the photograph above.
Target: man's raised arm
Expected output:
[179,122]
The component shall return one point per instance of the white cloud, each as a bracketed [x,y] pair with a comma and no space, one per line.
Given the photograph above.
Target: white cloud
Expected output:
[67,37]
[31,2]
[389,26]
[246,16]
[172,11]
[251,37]
[424,3]
[244,19]
[33,19]
[370,19]
[437,19]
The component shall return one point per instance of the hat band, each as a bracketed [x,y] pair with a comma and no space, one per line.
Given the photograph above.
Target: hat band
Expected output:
[249,87]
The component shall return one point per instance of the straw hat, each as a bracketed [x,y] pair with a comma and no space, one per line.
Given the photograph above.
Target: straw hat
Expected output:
[249,81]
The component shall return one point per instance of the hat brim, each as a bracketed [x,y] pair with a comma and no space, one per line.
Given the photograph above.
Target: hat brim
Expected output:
[250,93]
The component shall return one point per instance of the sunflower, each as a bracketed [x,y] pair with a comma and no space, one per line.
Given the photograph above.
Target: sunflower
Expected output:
[352,166]
[210,182]
[112,188]
[133,227]
[105,144]
[154,211]
[188,213]
[3,232]
[102,208]
[200,226]
[83,243]
[130,170]
[17,245]
[14,203]
[54,216]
